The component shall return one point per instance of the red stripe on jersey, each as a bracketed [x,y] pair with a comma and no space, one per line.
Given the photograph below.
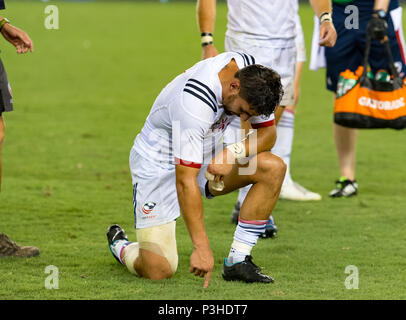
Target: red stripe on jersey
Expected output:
[263,124]
[188,163]
[402,50]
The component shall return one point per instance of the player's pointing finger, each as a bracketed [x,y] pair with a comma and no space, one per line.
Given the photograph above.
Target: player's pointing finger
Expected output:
[207,279]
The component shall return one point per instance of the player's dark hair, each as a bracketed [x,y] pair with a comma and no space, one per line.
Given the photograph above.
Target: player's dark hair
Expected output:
[261,87]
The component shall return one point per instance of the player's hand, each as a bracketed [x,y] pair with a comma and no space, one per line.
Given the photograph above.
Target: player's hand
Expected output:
[328,34]
[18,38]
[217,181]
[202,263]
[377,28]
[209,51]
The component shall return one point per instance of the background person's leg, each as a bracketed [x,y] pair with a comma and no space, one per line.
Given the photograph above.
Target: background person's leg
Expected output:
[2,132]
[284,143]
[345,140]
[286,129]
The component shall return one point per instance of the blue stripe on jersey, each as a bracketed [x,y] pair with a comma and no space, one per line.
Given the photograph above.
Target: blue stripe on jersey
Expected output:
[206,87]
[135,203]
[201,98]
[202,92]
[252,59]
[244,58]
[248,59]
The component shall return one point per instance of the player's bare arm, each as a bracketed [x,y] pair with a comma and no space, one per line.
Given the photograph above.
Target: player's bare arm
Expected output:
[190,201]
[17,37]
[23,43]
[328,34]
[2,129]
[222,163]
[381,5]
[377,27]
[206,16]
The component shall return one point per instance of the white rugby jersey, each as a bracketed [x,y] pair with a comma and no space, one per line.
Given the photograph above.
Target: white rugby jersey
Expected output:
[262,19]
[187,120]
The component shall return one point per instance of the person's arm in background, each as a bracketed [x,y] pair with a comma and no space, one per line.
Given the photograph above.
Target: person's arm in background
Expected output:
[381,5]
[206,16]
[17,37]
[323,10]
[377,26]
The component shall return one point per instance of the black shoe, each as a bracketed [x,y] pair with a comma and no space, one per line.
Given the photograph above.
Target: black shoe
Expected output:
[245,271]
[236,213]
[344,188]
[271,229]
[114,233]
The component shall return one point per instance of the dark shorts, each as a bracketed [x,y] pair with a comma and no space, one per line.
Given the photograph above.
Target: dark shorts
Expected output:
[6,98]
[349,49]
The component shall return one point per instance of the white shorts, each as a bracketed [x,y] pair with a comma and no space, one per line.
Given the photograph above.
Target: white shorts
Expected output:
[270,54]
[300,41]
[155,197]
[280,58]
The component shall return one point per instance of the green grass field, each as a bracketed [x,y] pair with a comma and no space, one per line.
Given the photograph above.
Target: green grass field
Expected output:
[81,98]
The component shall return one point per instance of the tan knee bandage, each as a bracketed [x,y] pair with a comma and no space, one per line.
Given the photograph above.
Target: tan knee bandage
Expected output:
[160,240]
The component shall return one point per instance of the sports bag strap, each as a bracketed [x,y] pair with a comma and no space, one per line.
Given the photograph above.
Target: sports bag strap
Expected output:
[388,52]
[366,55]
[392,67]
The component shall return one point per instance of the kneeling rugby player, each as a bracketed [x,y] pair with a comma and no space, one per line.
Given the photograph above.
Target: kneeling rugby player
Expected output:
[174,162]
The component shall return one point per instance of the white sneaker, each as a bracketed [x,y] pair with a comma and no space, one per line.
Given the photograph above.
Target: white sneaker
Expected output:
[293,191]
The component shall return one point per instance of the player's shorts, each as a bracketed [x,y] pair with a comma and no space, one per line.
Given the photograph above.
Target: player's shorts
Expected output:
[6,98]
[300,41]
[349,49]
[280,55]
[155,197]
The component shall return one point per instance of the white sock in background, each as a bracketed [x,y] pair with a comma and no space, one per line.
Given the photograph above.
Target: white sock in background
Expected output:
[243,193]
[284,140]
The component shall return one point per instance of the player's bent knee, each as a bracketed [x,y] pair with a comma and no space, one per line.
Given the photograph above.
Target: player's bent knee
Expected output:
[271,169]
[158,258]
[153,266]
[269,163]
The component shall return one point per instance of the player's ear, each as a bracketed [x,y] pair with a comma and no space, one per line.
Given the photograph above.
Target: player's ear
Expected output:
[235,86]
